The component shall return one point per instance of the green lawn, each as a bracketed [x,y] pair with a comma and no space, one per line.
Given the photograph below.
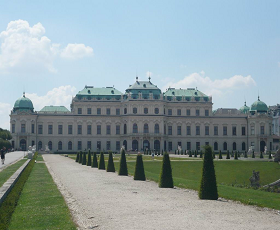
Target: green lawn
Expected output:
[41,206]
[6,173]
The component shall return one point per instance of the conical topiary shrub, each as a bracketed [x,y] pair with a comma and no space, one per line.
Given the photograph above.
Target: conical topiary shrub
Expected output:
[101,164]
[238,153]
[190,154]
[214,155]
[94,163]
[228,156]
[89,158]
[261,156]
[208,186]
[81,157]
[220,155]
[195,153]
[84,162]
[77,157]
[235,156]
[201,154]
[110,165]
[253,154]
[165,179]
[245,155]
[269,156]
[232,154]
[123,166]
[139,173]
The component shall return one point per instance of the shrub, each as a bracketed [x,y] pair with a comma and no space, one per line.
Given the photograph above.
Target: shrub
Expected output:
[214,155]
[238,154]
[220,155]
[123,165]
[253,154]
[77,157]
[139,173]
[84,158]
[261,156]
[190,154]
[162,152]
[201,154]
[165,179]
[232,154]
[101,162]
[235,156]
[182,152]
[89,158]
[80,157]
[245,155]
[195,153]
[269,157]
[110,166]
[228,156]
[94,161]
[208,186]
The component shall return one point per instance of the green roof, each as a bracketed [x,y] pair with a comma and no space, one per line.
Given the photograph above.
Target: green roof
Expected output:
[190,92]
[259,106]
[105,91]
[244,109]
[23,103]
[54,108]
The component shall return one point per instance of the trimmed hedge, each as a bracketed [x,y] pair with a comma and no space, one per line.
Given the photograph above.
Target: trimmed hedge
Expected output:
[94,161]
[89,158]
[139,173]
[123,166]
[9,204]
[165,178]
[101,162]
[111,166]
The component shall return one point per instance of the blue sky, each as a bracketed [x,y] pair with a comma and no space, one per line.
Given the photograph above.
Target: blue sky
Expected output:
[50,49]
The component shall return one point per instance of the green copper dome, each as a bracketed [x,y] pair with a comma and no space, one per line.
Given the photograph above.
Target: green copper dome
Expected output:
[23,103]
[259,106]
[244,109]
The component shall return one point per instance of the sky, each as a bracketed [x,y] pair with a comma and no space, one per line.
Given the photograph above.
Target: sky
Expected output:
[229,50]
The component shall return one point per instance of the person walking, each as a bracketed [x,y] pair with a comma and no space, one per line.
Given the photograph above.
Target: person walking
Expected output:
[2,156]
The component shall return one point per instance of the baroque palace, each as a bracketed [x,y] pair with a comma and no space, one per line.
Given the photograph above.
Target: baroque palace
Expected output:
[143,117]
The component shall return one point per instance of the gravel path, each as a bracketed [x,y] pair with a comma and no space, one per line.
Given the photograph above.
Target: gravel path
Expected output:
[101,200]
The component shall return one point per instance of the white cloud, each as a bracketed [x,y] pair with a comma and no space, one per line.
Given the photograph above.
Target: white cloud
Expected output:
[25,48]
[75,51]
[5,110]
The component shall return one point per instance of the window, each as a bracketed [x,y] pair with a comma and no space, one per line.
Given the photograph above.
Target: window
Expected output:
[70,145]
[59,146]
[108,145]
[164,129]
[79,129]
[89,129]
[40,145]
[98,130]
[169,112]
[70,129]
[32,128]
[169,130]
[118,145]
[134,110]
[197,146]
[13,128]
[252,130]
[197,112]
[40,129]
[206,130]
[89,145]
[170,145]
[118,111]
[253,145]
[156,128]
[243,146]
[135,128]
[197,130]
[262,130]
[188,112]
[156,111]
[125,111]
[60,128]
[234,146]
[179,130]
[50,145]
[79,110]
[225,146]
[243,131]
[178,112]
[108,129]
[118,129]
[88,110]
[108,111]
[146,110]
[206,113]
[188,145]
[216,146]
[206,143]
[233,131]
[216,132]
[98,111]
[224,130]
[98,145]
[146,128]
[188,130]
[124,129]
[23,128]
[79,145]
[50,129]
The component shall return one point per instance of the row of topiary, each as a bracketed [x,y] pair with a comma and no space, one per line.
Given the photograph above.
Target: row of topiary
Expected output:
[237,155]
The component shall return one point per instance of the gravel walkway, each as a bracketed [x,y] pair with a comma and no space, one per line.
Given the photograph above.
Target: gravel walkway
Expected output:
[101,200]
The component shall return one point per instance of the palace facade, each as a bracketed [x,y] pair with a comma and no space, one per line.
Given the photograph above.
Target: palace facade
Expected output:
[142,117]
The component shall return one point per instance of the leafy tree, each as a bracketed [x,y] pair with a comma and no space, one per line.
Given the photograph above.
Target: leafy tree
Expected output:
[165,179]
[123,166]
[139,173]
[208,185]
[110,165]
[101,162]
[94,161]
[220,155]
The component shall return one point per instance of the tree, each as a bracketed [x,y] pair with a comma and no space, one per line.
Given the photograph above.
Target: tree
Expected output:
[84,162]
[228,156]
[208,185]
[94,161]
[261,155]
[101,162]
[81,157]
[165,179]
[139,173]
[235,156]
[123,166]
[220,155]
[77,157]
[110,165]
[89,158]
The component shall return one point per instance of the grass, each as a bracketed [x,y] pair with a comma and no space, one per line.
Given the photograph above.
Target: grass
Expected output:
[41,206]
[6,173]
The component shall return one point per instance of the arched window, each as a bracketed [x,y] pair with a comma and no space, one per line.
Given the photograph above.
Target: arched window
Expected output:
[124,129]
[70,145]
[135,128]
[50,145]
[243,146]
[146,110]
[216,146]
[146,128]
[40,145]
[234,146]
[156,111]
[156,128]
[225,146]
[125,144]
[59,145]
[134,110]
